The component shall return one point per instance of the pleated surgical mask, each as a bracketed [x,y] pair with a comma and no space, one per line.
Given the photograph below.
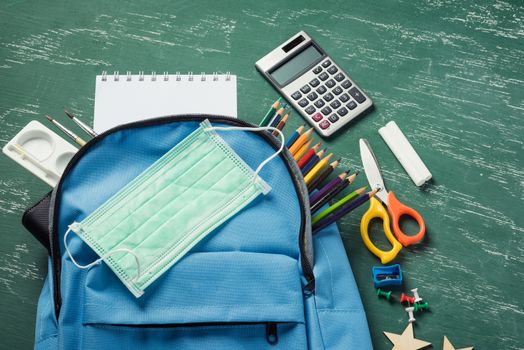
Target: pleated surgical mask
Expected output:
[152,222]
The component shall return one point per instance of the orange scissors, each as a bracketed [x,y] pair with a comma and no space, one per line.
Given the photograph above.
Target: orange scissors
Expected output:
[395,209]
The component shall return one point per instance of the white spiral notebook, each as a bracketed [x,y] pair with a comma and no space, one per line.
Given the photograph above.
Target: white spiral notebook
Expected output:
[121,99]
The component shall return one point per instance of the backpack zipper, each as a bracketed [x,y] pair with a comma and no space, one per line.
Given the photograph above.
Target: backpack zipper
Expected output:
[307,265]
[271,327]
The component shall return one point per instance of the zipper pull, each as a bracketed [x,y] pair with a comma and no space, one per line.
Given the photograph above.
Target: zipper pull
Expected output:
[271,333]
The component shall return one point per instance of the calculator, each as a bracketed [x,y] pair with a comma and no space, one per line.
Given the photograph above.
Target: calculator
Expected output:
[314,84]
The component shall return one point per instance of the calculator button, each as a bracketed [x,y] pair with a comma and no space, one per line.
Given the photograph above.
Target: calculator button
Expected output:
[335,104]
[310,110]
[332,70]
[337,90]
[303,102]
[346,84]
[317,70]
[317,117]
[357,95]
[333,118]
[323,76]
[326,63]
[314,82]
[351,105]
[305,89]
[321,89]
[328,97]
[320,103]
[324,124]
[312,96]
[342,111]
[296,95]
[330,83]
[344,98]
[326,110]
[339,77]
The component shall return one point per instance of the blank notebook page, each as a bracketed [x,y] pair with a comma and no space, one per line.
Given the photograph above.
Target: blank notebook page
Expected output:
[129,98]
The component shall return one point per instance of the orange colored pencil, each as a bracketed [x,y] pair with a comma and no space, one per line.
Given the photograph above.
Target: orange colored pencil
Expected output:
[281,124]
[300,142]
[302,150]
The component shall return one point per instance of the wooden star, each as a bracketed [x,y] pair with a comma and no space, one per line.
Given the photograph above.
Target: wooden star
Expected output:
[407,340]
[449,346]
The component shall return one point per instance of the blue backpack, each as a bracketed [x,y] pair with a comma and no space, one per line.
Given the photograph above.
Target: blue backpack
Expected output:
[259,281]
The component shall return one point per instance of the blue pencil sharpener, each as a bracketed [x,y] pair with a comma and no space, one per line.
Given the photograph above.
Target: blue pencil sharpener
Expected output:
[387,276]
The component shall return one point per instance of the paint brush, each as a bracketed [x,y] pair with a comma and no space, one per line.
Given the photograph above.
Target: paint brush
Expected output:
[66,131]
[81,124]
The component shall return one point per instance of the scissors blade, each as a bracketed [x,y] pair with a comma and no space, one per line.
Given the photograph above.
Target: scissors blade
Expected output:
[372,170]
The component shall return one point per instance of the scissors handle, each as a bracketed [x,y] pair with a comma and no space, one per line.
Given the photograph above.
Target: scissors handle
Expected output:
[377,210]
[396,210]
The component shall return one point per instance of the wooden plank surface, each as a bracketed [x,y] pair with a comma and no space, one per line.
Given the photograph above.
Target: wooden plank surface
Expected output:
[449,72]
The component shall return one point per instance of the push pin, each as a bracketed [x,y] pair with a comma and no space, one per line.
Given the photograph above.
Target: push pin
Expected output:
[415,294]
[410,310]
[386,295]
[405,299]
[421,306]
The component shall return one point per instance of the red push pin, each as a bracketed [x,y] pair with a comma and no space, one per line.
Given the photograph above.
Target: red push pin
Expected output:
[405,299]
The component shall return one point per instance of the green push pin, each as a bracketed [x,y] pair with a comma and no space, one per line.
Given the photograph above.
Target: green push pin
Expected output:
[384,294]
[421,306]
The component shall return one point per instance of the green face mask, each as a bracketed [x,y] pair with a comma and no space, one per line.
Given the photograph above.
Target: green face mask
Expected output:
[153,221]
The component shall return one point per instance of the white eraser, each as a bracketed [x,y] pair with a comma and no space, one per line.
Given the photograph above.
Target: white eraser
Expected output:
[405,153]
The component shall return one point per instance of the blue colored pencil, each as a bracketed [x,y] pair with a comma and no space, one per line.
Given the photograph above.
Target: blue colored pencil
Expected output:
[294,136]
[312,162]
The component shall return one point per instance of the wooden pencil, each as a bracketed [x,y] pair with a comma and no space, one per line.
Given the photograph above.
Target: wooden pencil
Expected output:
[323,175]
[300,142]
[309,154]
[294,136]
[270,113]
[315,197]
[281,124]
[344,210]
[312,162]
[302,150]
[338,204]
[332,193]
[317,168]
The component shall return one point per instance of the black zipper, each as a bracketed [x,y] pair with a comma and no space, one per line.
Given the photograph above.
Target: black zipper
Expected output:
[271,327]
[307,267]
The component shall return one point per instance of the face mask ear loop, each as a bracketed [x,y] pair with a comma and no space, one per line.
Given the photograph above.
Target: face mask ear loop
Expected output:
[260,128]
[99,260]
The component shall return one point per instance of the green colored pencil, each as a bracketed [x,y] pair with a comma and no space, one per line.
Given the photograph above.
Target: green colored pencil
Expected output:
[338,204]
[271,113]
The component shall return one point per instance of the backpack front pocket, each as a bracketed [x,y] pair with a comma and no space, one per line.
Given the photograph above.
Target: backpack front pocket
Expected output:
[222,300]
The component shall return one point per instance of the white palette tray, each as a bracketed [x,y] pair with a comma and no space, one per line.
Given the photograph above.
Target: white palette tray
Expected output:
[41,151]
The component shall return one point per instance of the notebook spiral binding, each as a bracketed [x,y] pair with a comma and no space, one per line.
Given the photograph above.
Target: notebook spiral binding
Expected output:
[165,76]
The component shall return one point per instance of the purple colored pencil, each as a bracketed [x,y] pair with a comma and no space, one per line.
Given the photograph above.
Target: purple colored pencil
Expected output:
[315,197]
[343,211]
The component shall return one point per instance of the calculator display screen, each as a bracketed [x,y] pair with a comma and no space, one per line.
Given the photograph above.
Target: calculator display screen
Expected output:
[295,65]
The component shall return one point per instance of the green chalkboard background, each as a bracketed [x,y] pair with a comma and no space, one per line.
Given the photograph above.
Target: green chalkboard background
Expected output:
[449,72]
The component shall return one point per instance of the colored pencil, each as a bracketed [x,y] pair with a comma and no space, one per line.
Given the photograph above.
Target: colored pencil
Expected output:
[81,124]
[323,175]
[270,113]
[344,210]
[294,136]
[307,157]
[312,162]
[66,131]
[300,142]
[281,124]
[315,197]
[302,150]
[338,204]
[332,193]
[310,176]
[276,119]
